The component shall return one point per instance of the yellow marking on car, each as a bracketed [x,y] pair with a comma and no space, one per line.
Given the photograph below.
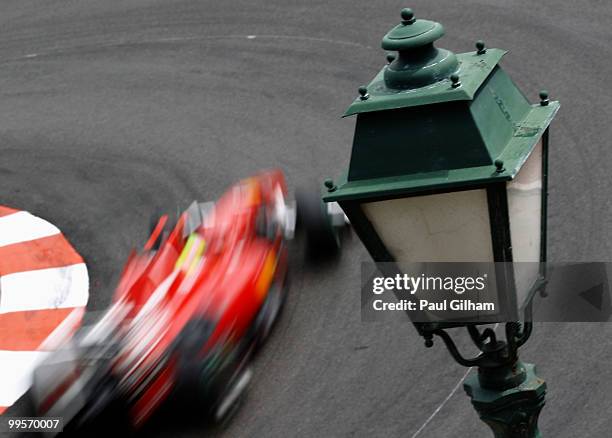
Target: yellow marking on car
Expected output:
[252,191]
[197,256]
[185,251]
[191,254]
[267,274]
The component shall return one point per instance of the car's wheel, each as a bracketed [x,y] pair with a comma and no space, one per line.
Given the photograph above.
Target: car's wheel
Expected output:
[270,310]
[230,398]
[321,236]
[103,415]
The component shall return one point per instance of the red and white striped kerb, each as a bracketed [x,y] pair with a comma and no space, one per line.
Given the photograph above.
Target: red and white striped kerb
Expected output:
[44,289]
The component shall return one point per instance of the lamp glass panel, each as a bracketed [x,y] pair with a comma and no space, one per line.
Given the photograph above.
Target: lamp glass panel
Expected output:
[525,213]
[446,227]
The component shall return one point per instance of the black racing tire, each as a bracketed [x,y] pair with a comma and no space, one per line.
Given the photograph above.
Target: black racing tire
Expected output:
[322,238]
[102,416]
[231,397]
[269,312]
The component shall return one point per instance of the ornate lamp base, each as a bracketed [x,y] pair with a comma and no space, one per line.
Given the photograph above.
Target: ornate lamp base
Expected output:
[512,412]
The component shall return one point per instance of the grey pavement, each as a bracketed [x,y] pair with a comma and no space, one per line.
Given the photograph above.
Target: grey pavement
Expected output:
[111,109]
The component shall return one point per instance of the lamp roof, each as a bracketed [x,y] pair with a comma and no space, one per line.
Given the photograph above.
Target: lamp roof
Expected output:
[433,120]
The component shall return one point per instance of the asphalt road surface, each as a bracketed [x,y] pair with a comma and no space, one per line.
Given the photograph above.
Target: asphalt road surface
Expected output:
[111,109]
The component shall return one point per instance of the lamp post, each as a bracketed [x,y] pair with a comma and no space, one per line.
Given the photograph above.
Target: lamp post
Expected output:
[449,164]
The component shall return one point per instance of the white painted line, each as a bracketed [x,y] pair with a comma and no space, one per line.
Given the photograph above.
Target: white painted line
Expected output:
[439,408]
[448,397]
[51,288]
[22,226]
[16,373]
[123,42]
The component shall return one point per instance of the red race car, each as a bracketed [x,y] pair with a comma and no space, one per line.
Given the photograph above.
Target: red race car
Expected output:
[189,311]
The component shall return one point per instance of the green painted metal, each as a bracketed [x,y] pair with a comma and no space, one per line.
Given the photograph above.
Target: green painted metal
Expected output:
[544,222]
[397,157]
[473,71]
[511,412]
[431,122]
[412,33]
[444,146]
[418,62]
[469,129]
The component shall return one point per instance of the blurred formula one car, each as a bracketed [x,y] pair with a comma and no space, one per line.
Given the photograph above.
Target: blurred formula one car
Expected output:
[188,312]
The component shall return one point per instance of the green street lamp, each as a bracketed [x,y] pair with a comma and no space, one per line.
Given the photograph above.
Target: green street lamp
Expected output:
[449,164]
